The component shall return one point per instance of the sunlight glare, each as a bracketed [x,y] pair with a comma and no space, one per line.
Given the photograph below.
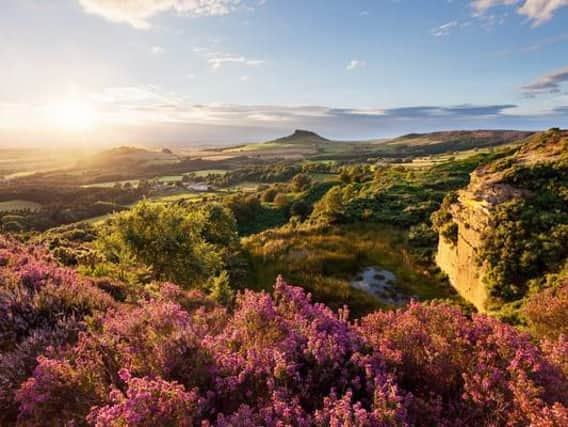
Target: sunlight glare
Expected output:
[73,115]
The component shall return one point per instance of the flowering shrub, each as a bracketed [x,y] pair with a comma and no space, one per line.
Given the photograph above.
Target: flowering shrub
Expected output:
[546,312]
[466,372]
[148,402]
[176,359]
[41,306]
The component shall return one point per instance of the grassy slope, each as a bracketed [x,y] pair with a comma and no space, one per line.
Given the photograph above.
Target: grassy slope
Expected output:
[309,145]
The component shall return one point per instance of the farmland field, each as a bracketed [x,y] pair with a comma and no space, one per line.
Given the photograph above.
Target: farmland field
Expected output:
[210,172]
[12,205]
[111,184]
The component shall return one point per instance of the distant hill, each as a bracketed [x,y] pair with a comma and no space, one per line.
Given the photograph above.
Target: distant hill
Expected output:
[300,137]
[307,144]
[439,142]
[122,157]
[299,144]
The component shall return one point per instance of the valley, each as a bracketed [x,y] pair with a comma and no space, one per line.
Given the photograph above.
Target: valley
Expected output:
[412,236]
[300,200]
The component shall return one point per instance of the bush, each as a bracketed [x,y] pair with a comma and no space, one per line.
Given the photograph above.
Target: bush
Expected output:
[269,195]
[282,360]
[178,244]
[281,200]
[300,209]
[70,356]
[42,306]
[301,182]
[545,312]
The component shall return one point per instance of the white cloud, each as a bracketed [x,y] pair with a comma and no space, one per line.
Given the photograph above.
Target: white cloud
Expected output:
[156,50]
[355,64]
[145,105]
[483,5]
[538,11]
[217,61]
[541,10]
[138,12]
[149,116]
[444,30]
[244,78]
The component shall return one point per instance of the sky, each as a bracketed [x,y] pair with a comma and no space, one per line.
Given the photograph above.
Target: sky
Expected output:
[201,72]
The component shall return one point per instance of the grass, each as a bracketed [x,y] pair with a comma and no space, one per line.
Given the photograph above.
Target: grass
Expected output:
[163,178]
[210,172]
[110,184]
[324,177]
[170,178]
[325,261]
[13,205]
[247,187]
[97,220]
[180,196]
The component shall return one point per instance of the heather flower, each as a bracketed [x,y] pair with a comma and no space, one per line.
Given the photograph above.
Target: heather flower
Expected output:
[463,371]
[42,306]
[69,355]
[148,402]
[545,312]
[54,394]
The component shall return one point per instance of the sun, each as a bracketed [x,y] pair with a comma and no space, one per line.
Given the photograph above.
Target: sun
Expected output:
[72,114]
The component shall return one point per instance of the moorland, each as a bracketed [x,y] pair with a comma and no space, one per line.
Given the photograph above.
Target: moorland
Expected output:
[150,287]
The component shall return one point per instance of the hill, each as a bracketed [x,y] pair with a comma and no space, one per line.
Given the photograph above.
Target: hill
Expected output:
[505,236]
[309,145]
[297,145]
[121,157]
[448,141]
[300,137]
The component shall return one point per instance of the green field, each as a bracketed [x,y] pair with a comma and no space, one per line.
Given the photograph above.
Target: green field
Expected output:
[170,178]
[180,196]
[12,205]
[111,184]
[246,187]
[163,178]
[210,172]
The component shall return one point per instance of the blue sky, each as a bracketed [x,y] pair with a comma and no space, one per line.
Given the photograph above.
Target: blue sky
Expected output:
[218,71]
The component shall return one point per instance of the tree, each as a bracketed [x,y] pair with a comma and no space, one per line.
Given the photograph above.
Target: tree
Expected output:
[220,289]
[330,208]
[244,208]
[301,182]
[269,195]
[179,245]
[281,200]
[219,225]
[300,209]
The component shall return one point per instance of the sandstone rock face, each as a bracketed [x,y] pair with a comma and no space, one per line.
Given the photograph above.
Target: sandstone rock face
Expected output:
[459,261]
[473,214]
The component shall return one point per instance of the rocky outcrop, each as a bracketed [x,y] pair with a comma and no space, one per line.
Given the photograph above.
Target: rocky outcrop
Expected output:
[459,260]
[472,214]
